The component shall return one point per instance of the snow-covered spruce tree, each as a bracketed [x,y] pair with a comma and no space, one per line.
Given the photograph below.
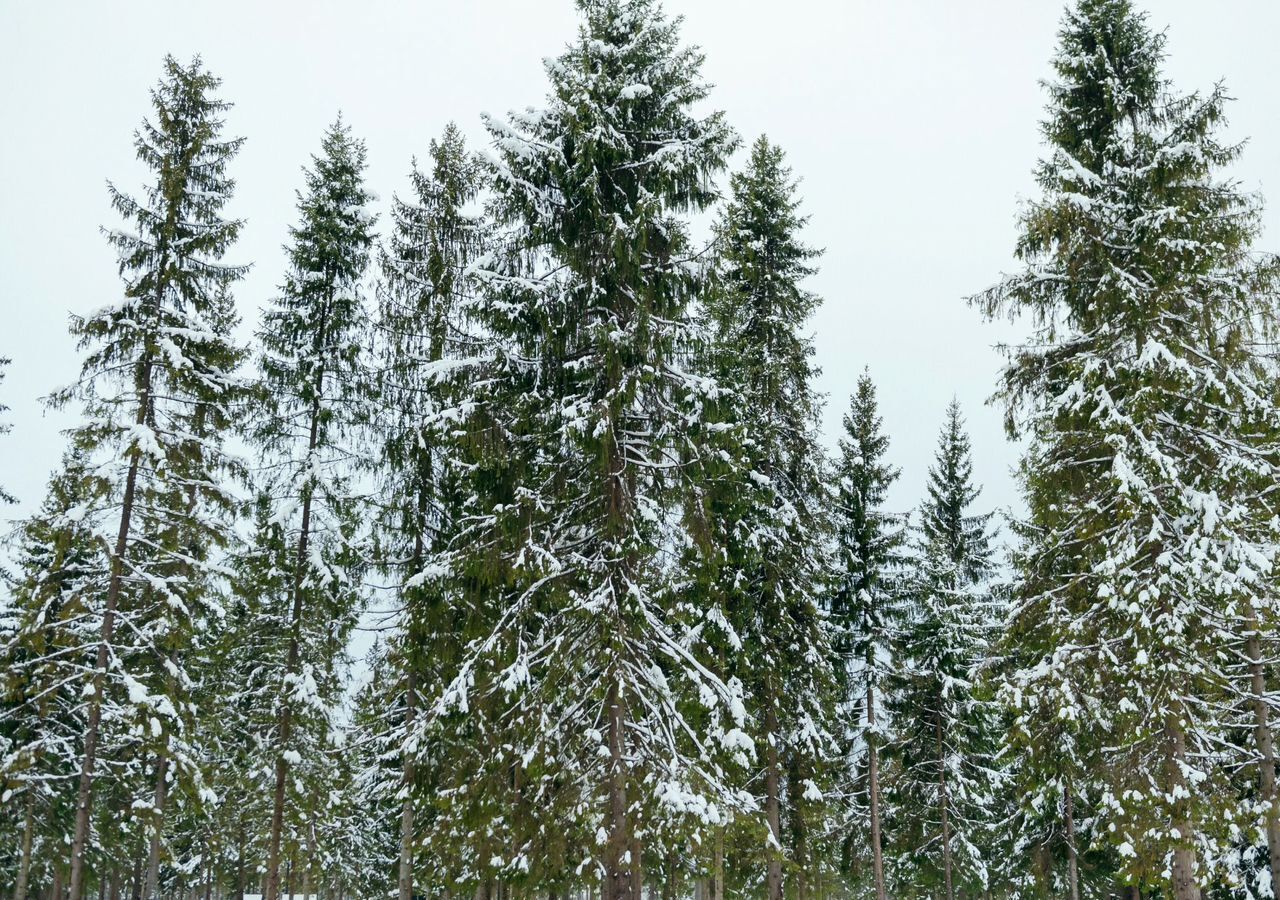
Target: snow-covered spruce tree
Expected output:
[865,608]
[434,237]
[158,363]
[773,569]
[941,783]
[580,435]
[46,627]
[311,338]
[1152,449]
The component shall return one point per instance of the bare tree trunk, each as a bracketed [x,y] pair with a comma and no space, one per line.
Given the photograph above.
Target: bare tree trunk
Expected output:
[1184,853]
[28,829]
[84,792]
[291,665]
[406,811]
[637,868]
[1073,869]
[944,804]
[1264,741]
[772,800]
[55,892]
[718,887]
[873,785]
[617,884]
[161,797]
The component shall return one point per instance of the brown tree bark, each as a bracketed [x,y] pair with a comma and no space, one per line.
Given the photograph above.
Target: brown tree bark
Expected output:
[1073,868]
[944,805]
[873,789]
[406,810]
[1263,739]
[1184,855]
[617,882]
[24,863]
[772,800]
[285,724]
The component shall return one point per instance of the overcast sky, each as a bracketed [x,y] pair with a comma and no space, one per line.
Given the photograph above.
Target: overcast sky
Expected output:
[913,124]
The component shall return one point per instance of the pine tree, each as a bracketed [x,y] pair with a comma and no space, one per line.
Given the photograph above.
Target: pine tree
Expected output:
[311,339]
[865,605]
[1151,427]
[774,567]
[160,362]
[581,432]
[944,730]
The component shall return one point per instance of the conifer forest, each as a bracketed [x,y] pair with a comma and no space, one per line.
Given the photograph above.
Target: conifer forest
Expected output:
[645,633]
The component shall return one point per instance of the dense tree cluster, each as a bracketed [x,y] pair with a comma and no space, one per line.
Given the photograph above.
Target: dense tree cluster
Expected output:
[640,631]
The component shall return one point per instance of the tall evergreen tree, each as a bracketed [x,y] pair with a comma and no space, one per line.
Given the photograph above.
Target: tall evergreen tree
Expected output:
[159,363]
[1151,430]
[773,569]
[311,338]
[580,436]
[865,605]
[435,236]
[944,730]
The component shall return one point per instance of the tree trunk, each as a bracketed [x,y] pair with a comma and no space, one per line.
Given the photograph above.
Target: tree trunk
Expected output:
[637,868]
[84,792]
[55,892]
[1184,853]
[873,785]
[717,892]
[944,804]
[28,829]
[1069,817]
[772,800]
[151,891]
[617,885]
[291,664]
[406,811]
[1264,741]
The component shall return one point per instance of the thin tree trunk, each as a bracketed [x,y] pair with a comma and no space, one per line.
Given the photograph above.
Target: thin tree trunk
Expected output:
[873,786]
[406,811]
[1265,742]
[291,664]
[28,829]
[718,887]
[944,803]
[1184,853]
[637,868]
[1073,869]
[617,884]
[161,796]
[55,892]
[772,802]
[84,792]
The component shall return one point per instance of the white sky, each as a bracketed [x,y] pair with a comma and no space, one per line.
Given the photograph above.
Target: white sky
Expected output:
[914,124]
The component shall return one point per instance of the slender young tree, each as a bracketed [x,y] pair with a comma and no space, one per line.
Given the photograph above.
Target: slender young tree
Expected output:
[1152,448]
[865,604]
[944,732]
[774,568]
[5,427]
[581,432]
[311,370]
[156,361]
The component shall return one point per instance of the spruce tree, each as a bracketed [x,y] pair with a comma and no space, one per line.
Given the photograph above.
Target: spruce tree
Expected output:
[418,335]
[159,363]
[944,738]
[311,339]
[865,604]
[1151,426]
[47,624]
[580,433]
[774,567]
